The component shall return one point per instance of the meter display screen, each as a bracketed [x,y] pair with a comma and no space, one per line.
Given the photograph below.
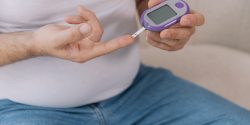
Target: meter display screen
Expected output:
[162,14]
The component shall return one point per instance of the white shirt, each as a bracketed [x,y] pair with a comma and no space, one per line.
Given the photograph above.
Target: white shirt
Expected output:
[52,82]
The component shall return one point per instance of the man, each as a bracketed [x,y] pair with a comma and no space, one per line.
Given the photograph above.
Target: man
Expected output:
[54,74]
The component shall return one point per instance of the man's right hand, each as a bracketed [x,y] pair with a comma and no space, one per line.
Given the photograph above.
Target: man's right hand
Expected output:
[78,43]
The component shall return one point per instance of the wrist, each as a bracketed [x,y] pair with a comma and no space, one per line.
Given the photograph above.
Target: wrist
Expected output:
[34,46]
[29,44]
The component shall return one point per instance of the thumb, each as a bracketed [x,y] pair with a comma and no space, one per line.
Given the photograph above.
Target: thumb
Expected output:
[75,33]
[152,3]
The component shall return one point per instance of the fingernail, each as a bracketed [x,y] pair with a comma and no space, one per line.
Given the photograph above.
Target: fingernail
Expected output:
[85,28]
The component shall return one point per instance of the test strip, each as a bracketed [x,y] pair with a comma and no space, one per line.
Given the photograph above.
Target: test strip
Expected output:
[138,32]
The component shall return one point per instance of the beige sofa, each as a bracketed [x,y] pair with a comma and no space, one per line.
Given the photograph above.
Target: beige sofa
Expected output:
[218,56]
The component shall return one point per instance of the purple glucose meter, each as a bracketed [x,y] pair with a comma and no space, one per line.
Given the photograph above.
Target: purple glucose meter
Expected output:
[164,15]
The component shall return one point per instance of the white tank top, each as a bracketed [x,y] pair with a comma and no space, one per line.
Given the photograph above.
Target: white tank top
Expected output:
[52,82]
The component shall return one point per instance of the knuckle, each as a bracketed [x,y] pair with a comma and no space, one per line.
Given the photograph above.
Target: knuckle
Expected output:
[172,34]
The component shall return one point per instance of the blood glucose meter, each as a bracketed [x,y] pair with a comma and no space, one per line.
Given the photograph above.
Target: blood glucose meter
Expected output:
[163,15]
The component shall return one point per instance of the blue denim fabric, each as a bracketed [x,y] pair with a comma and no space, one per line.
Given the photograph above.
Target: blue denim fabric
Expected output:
[157,97]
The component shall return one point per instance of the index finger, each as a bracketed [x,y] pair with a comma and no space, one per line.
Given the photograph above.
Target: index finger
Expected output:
[193,19]
[112,45]
[152,3]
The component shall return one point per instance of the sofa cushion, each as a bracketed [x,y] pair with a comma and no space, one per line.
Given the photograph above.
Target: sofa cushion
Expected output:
[224,71]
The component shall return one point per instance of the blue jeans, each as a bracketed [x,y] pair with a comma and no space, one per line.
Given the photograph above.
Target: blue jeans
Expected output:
[157,97]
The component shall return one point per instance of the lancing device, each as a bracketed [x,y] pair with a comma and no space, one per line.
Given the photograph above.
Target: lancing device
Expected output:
[162,16]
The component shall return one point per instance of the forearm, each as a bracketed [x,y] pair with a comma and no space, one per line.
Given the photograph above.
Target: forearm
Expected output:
[14,47]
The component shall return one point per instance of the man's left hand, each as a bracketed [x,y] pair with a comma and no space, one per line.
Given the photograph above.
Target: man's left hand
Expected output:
[177,36]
